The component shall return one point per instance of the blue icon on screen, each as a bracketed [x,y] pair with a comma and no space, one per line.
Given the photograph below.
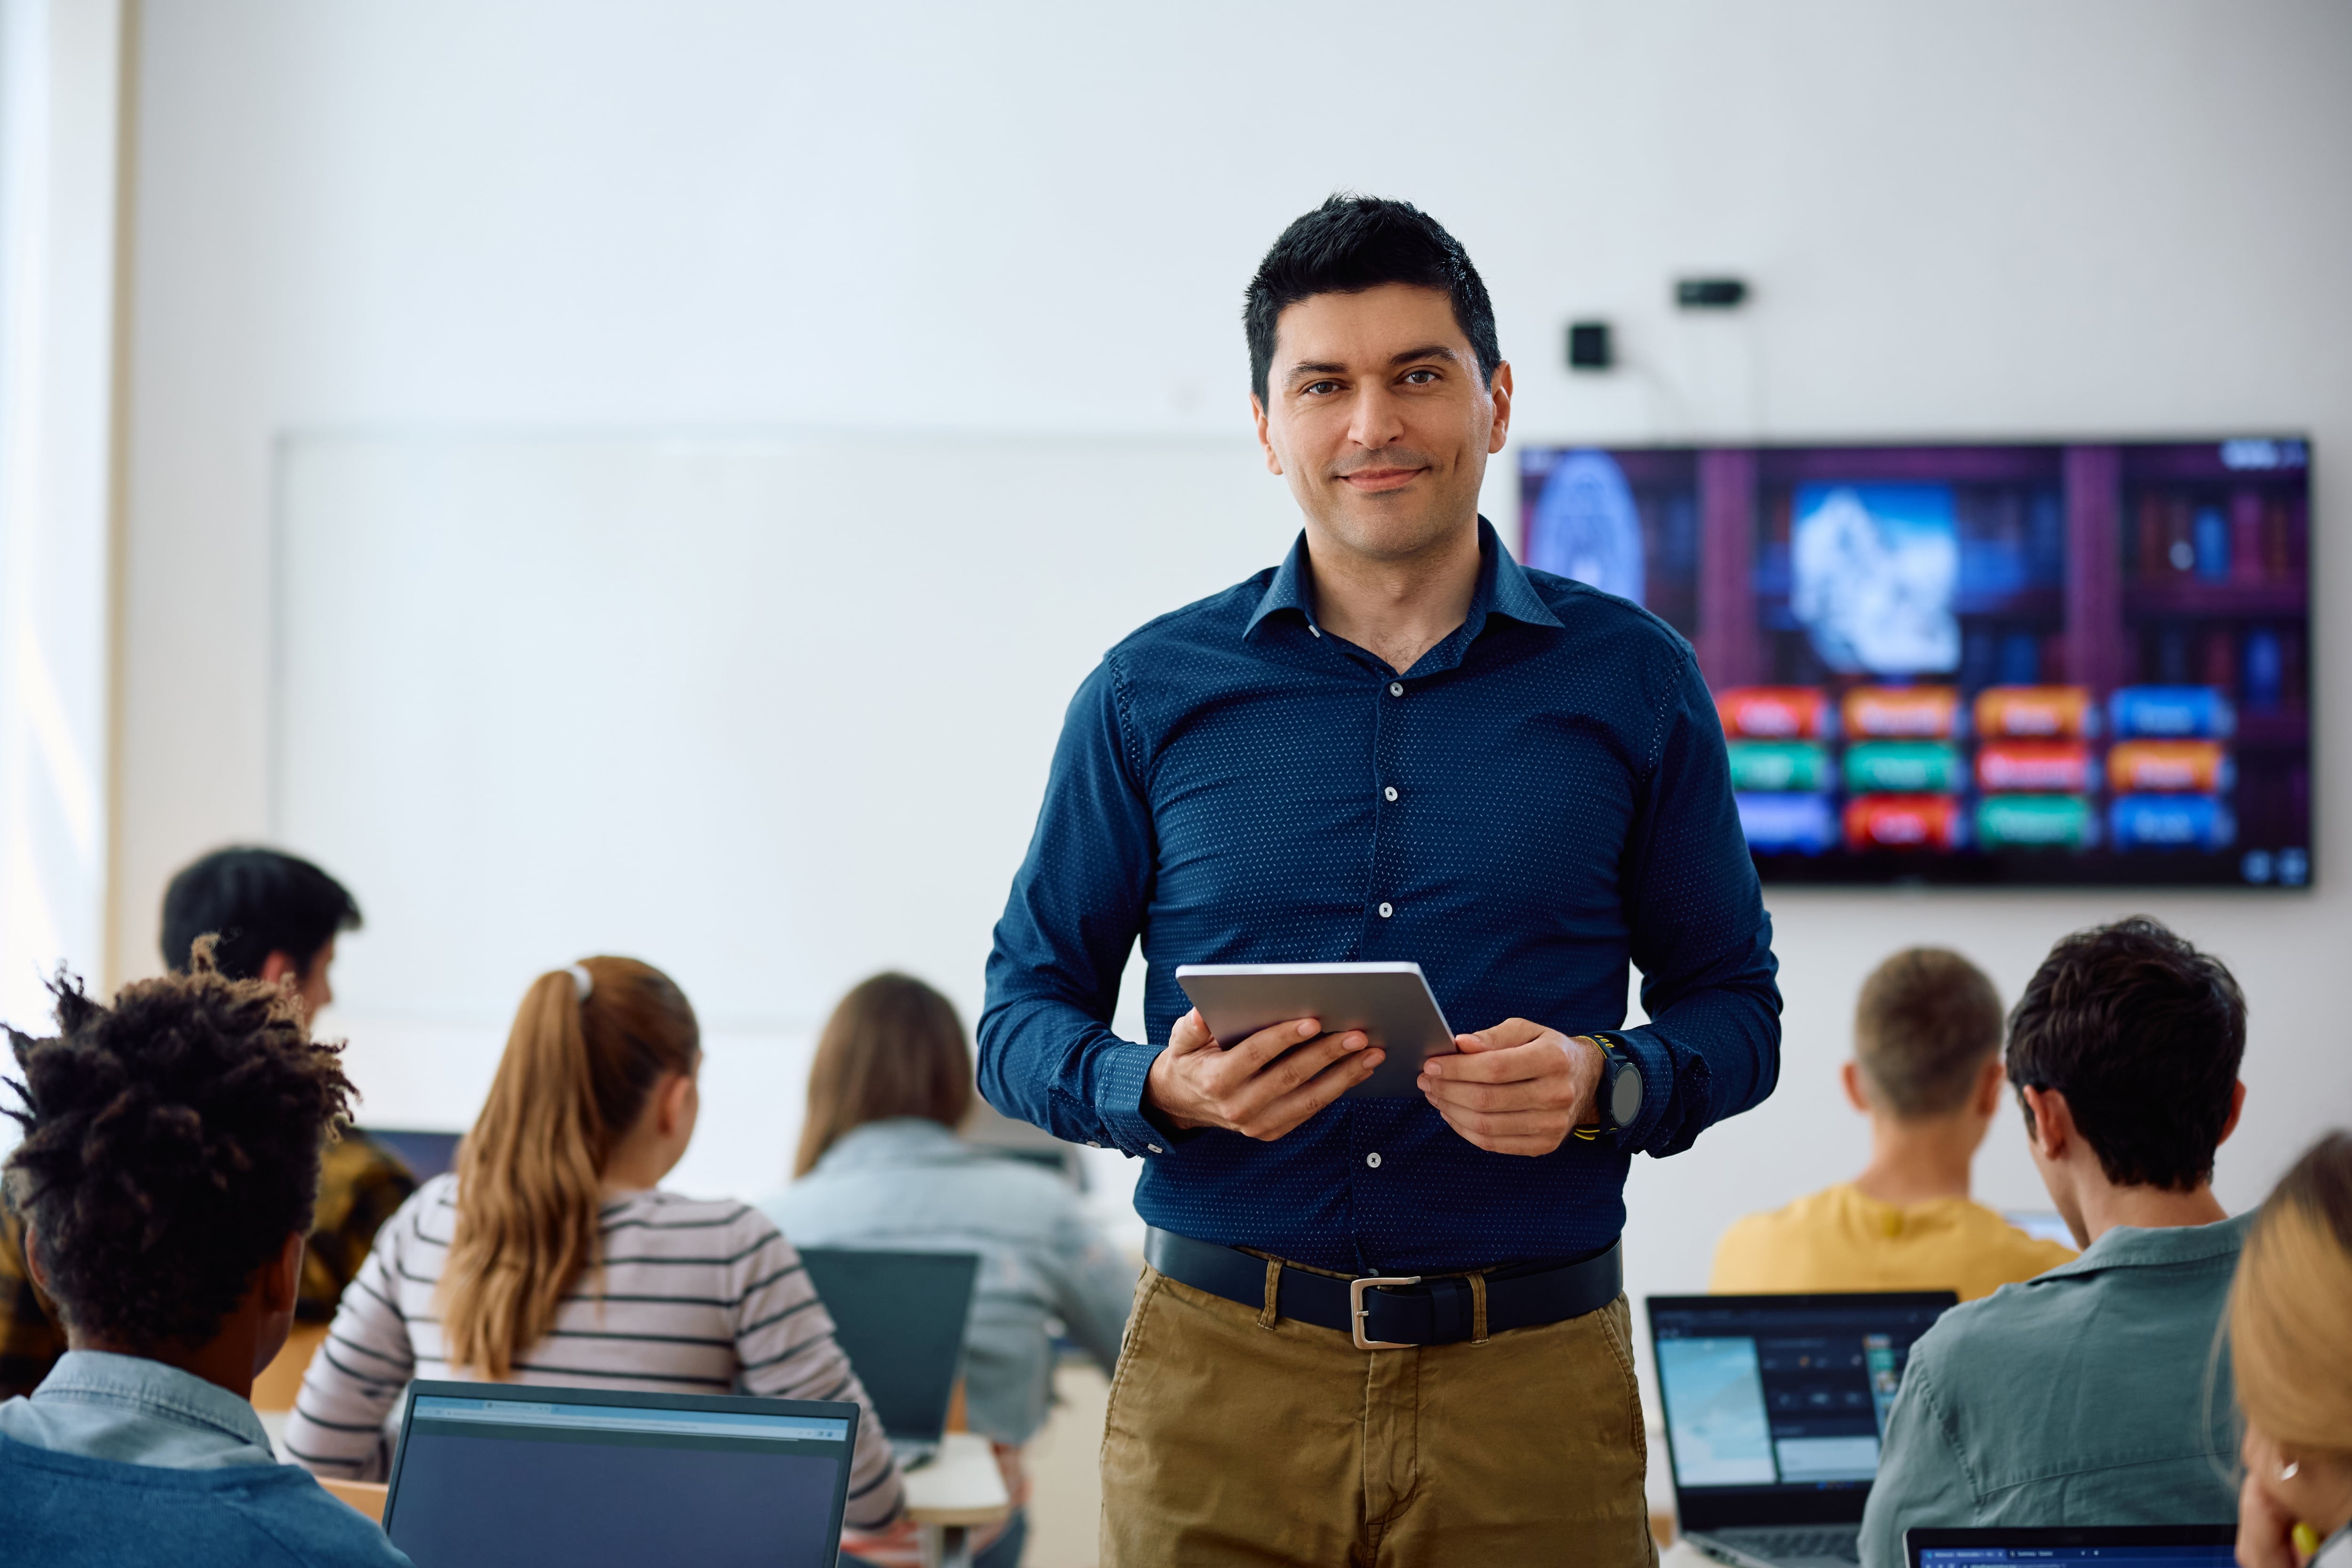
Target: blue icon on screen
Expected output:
[2256,865]
[2293,868]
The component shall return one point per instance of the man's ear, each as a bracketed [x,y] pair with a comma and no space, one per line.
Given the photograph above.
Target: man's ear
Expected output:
[1265,441]
[1990,1083]
[2053,1122]
[1850,1078]
[1501,392]
[33,1262]
[2237,1108]
[279,967]
[281,1276]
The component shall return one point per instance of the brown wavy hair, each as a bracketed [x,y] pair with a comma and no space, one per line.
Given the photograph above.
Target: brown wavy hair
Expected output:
[575,1076]
[2290,1335]
[893,1046]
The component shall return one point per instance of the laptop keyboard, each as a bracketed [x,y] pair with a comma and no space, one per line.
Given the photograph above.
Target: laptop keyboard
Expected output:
[1782,1543]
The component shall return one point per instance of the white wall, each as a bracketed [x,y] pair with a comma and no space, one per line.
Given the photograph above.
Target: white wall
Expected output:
[61,96]
[2112,216]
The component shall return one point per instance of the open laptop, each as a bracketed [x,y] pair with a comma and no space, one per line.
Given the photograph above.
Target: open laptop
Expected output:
[900,1317]
[1775,1406]
[2115,1546]
[499,1473]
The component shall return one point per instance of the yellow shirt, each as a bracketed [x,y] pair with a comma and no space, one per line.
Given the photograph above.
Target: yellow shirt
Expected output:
[1838,1239]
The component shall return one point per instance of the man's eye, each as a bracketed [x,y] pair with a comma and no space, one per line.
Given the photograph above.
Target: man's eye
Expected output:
[1420,378]
[1319,388]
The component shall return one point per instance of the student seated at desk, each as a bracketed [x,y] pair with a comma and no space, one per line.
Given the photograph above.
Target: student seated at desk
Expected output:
[880,1165]
[551,1254]
[2290,1348]
[273,917]
[168,1167]
[1927,1071]
[2081,1398]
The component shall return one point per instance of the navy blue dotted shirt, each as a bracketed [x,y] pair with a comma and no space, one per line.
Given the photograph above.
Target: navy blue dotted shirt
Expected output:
[1563,806]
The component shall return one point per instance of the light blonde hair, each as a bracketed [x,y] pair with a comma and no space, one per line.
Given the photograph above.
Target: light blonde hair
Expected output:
[2291,1305]
[893,1046]
[577,1074]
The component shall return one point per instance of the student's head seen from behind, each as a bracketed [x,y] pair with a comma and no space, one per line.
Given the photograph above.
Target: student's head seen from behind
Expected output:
[2124,1051]
[169,1165]
[893,1047]
[595,1094]
[2290,1341]
[1926,1042]
[275,915]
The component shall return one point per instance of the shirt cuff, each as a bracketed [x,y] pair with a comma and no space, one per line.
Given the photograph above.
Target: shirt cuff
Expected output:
[1119,1101]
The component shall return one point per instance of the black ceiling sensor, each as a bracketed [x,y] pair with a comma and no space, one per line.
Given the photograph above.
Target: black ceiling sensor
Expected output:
[1710,293]
[1588,345]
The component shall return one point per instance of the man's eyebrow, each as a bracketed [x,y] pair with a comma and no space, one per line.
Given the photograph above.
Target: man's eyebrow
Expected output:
[1410,356]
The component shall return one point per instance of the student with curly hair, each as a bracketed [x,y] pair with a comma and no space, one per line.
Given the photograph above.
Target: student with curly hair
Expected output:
[166,1177]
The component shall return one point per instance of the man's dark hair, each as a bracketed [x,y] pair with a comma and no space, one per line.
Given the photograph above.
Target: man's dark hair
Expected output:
[1924,1026]
[170,1146]
[1351,244]
[258,901]
[2143,1035]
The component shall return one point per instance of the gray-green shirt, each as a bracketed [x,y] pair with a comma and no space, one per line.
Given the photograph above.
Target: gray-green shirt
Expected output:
[2079,1397]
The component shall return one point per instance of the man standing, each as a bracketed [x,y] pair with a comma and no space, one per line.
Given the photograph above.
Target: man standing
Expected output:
[1397,745]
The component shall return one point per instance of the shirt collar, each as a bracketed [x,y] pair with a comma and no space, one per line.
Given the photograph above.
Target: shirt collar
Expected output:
[153,1389]
[2139,1246]
[1503,589]
[889,1141]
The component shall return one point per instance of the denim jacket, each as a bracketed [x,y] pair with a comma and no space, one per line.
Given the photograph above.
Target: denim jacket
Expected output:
[2090,1395]
[119,1460]
[913,1185]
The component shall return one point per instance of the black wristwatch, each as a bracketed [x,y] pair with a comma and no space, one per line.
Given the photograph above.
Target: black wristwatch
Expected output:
[1621,1084]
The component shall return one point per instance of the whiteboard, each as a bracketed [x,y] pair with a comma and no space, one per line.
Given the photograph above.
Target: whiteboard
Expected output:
[771,711]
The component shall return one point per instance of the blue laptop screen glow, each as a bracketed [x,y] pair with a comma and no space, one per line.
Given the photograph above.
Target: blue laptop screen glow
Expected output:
[1782,1395]
[2220,1554]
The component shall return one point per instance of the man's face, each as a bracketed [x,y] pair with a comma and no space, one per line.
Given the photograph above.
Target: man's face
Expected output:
[314,988]
[1376,413]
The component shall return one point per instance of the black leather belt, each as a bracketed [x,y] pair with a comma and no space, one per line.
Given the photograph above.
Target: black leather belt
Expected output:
[1385,1312]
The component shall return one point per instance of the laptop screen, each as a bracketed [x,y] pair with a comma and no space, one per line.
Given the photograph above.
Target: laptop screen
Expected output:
[499,1474]
[2131,1546]
[1775,1405]
[899,1317]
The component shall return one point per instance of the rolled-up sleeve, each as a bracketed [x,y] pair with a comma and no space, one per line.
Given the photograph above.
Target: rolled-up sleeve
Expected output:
[1047,1054]
[1700,935]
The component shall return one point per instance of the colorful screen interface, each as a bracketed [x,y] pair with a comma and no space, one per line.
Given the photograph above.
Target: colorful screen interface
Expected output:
[2020,664]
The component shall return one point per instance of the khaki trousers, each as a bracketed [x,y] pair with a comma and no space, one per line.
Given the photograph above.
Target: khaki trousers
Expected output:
[1233,1439]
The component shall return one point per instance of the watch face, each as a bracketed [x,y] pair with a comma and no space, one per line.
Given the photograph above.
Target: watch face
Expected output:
[1625,1095]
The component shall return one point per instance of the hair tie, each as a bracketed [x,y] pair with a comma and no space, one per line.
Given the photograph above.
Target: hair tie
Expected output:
[581,981]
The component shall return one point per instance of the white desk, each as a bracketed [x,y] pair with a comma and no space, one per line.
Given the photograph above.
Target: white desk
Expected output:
[959,1491]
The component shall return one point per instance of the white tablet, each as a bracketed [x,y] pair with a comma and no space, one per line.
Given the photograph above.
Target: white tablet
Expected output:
[1391,1003]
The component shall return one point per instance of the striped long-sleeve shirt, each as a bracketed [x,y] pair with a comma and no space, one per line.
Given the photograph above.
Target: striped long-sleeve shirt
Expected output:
[695,1297]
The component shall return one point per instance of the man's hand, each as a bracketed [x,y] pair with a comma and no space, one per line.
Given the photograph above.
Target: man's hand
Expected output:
[1517,1088]
[1245,1090]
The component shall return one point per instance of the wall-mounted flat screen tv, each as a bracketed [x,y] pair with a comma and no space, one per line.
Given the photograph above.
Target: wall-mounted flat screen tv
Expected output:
[2043,664]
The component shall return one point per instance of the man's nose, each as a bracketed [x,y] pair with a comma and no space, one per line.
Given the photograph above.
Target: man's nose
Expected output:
[1378,418]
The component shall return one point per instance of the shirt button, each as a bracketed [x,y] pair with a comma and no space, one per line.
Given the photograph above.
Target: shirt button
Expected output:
[1155,1148]
[1387,909]
[1390,792]
[1396,687]
[1374,1159]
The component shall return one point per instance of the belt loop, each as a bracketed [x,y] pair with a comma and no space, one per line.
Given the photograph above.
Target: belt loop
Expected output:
[1267,1319]
[1478,1308]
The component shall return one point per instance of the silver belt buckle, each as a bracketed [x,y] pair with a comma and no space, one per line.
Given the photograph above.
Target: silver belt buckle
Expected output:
[1357,1312]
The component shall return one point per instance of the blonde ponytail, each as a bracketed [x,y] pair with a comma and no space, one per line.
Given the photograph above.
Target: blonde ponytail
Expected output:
[580,1064]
